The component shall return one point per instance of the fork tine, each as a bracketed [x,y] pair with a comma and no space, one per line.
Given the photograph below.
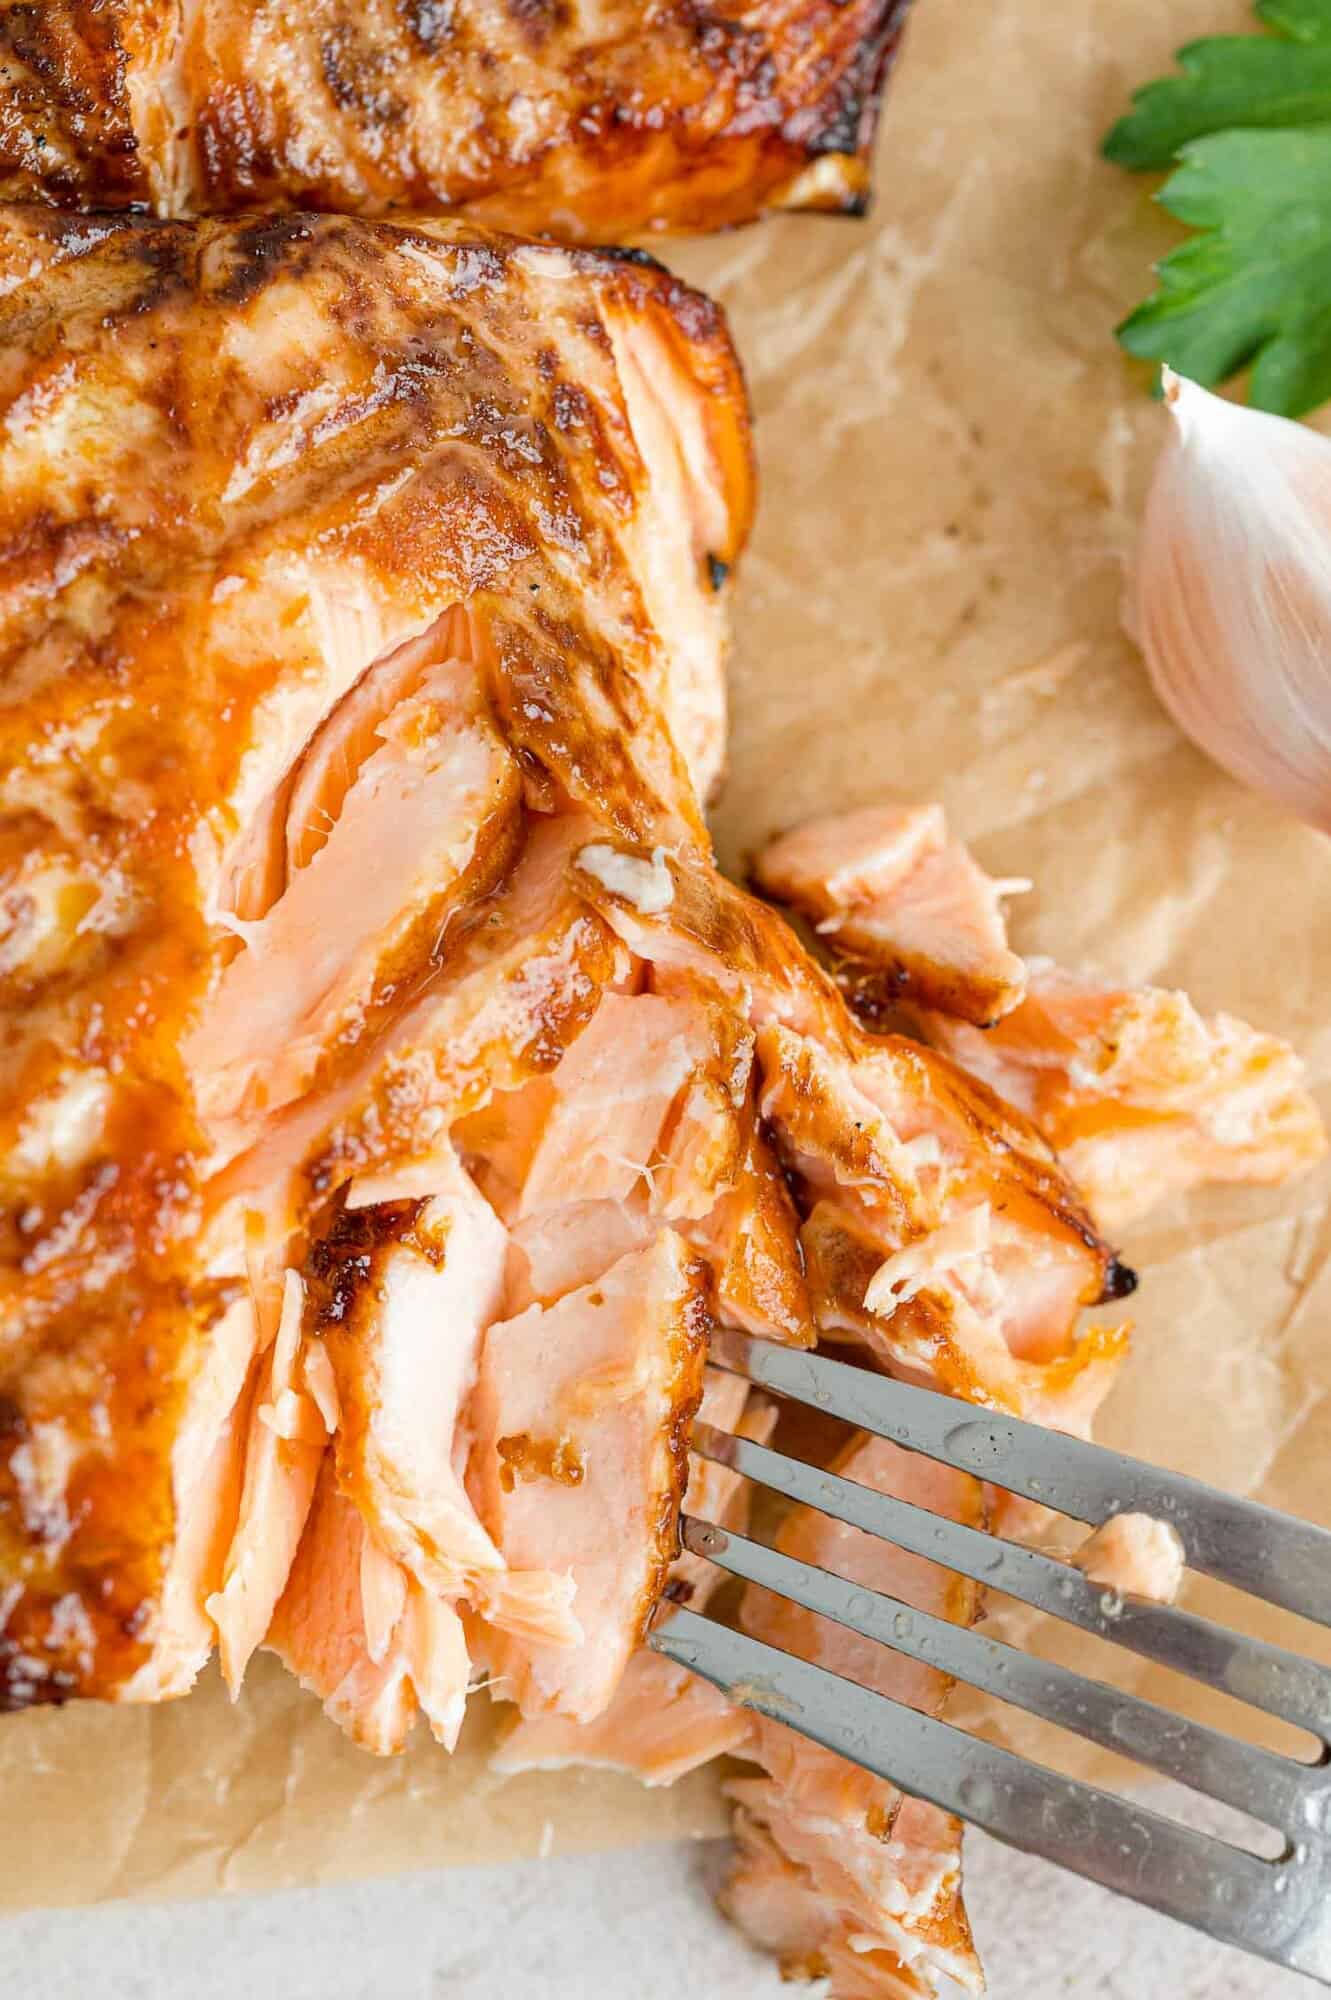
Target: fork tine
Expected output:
[1230,1894]
[1264,1676]
[1283,1561]
[1255,1781]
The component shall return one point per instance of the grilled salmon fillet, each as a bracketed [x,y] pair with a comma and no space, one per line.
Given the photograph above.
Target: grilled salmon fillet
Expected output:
[592,123]
[352,576]
[395,1097]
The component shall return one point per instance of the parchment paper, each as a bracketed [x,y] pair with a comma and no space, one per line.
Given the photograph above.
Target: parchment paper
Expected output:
[953,454]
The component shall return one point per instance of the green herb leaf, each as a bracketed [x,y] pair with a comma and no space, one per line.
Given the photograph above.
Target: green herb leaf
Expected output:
[1249,117]
[1230,80]
[1255,285]
[1303,20]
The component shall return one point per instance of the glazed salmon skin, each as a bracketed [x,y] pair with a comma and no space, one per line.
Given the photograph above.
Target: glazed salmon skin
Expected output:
[586,123]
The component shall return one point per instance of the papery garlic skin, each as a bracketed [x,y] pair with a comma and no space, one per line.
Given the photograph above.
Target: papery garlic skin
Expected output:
[1232,596]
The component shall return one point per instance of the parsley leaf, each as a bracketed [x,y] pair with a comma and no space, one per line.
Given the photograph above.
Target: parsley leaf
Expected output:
[1255,286]
[1302,20]
[1232,80]
[1250,121]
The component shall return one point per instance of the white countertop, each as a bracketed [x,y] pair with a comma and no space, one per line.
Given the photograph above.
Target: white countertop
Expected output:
[592,1927]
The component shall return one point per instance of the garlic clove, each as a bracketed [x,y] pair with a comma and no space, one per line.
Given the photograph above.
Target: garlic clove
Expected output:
[1232,593]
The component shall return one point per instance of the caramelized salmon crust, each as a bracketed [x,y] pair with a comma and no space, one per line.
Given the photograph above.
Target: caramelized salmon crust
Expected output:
[591,123]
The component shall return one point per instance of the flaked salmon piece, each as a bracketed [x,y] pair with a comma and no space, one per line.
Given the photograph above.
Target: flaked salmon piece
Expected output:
[648,1107]
[650,1092]
[611,1095]
[401,1294]
[208,1464]
[562,1249]
[522,979]
[939,1339]
[711,931]
[704,1142]
[751,1241]
[370,1670]
[282,1459]
[534,1607]
[780,1906]
[1136,1555]
[908,913]
[979,1259]
[893,1902]
[319,1628]
[885,1868]
[433,1644]
[663,1721]
[580,1418]
[336,634]
[842,861]
[838,1140]
[428,823]
[880,1121]
[287,828]
[363,720]
[1140,1094]
[907,1146]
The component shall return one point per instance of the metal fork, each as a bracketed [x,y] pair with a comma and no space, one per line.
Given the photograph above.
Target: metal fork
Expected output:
[1279,1909]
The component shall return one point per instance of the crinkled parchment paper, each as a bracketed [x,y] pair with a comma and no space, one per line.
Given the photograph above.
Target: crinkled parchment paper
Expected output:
[953,455]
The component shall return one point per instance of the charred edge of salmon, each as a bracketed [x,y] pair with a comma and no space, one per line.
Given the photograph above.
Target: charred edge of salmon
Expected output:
[879,995]
[875,994]
[1120,1280]
[697,1325]
[694,326]
[848,113]
[881,55]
